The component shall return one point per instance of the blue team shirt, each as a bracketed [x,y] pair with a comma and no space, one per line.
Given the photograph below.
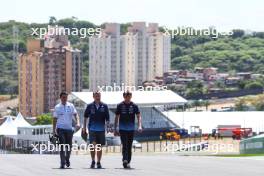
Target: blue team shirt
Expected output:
[97,116]
[127,112]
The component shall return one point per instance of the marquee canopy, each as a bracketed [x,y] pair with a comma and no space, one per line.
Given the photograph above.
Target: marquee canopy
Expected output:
[142,98]
[8,127]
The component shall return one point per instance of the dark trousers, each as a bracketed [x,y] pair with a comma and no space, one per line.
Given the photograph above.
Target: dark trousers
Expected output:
[126,140]
[65,137]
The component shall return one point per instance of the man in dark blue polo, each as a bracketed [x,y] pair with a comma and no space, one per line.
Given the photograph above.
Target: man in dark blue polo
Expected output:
[125,117]
[98,115]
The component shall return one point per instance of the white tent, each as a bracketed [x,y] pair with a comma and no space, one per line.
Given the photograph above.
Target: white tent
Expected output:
[8,127]
[20,121]
[142,98]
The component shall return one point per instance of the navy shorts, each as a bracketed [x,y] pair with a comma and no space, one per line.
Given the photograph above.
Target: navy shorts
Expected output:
[97,137]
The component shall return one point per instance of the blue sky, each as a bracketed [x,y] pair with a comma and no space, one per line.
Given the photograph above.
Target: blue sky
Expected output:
[223,14]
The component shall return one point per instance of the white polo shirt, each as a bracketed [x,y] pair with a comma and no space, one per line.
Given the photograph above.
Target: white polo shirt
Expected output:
[65,115]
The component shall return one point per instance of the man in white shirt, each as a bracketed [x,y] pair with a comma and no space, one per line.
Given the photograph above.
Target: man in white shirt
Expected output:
[65,115]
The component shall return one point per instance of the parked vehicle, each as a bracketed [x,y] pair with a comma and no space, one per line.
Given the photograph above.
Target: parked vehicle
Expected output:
[136,144]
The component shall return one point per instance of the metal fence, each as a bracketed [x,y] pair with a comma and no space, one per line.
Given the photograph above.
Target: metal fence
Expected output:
[10,145]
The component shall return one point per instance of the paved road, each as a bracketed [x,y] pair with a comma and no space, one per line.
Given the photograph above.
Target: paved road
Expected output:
[147,165]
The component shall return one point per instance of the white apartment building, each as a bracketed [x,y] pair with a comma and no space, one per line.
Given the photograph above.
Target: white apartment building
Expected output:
[140,55]
[129,59]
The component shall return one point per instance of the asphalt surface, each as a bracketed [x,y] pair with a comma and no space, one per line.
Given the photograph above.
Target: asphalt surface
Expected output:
[147,165]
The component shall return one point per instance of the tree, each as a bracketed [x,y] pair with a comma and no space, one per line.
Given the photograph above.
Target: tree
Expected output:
[240,105]
[258,103]
[206,104]
[52,20]
[259,34]
[254,85]
[195,84]
[259,106]
[238,33]
[196,103]
[44,119]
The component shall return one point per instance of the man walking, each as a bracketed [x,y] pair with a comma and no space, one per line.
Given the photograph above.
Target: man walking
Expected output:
[125,117]
[98,115]
[64,116]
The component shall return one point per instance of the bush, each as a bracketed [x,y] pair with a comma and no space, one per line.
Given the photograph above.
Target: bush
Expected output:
[254,85]
[44,119]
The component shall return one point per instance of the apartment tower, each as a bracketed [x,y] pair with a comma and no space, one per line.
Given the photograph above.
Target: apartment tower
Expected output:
[130,59]
[49,67]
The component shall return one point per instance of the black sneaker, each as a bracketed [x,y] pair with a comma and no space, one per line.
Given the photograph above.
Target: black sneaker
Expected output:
[62,166]
[68,163]
[125,164]
[92,165]
[98,165]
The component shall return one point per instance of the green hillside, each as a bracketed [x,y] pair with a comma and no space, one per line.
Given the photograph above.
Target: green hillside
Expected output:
[236,53]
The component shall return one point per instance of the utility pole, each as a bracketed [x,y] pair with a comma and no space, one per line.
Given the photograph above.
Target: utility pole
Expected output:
[15,56]
[15,49]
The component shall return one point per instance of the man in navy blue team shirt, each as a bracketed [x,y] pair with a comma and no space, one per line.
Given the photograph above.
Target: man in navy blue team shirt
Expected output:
[98,115]
[125,117]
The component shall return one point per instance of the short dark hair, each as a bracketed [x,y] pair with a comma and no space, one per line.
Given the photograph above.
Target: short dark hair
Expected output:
[63,93]
[127,93]
[96,92]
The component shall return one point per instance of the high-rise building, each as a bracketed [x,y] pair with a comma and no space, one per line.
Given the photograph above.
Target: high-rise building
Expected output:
[139,55]
[49,67]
